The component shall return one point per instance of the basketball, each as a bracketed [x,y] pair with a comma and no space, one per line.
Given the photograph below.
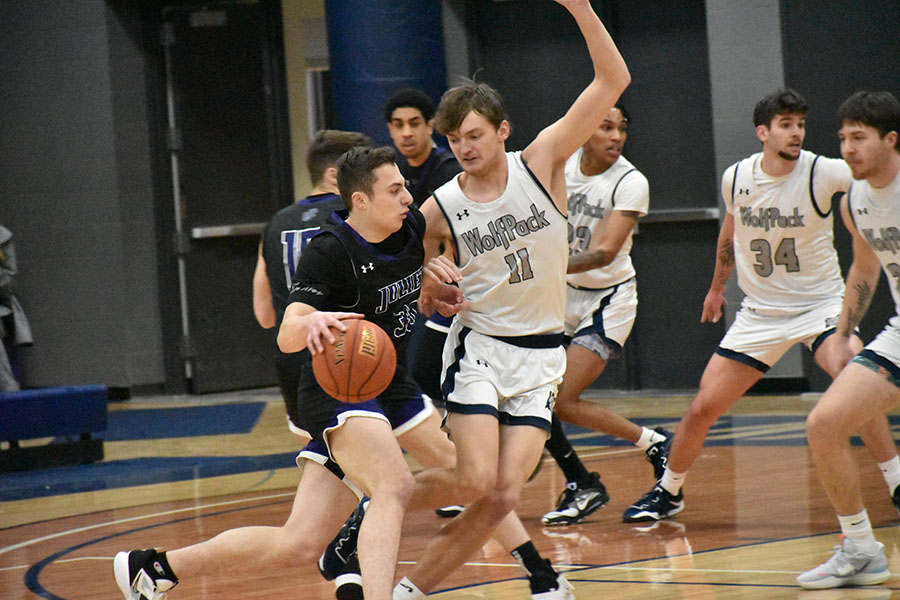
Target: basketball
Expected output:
[359,365]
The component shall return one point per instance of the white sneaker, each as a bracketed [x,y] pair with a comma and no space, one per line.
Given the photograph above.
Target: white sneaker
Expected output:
[847,566]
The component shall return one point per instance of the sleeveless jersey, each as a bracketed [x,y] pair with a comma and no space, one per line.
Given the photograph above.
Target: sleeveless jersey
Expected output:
[284,238]
[876,214]
[592,198]
[783,237]
[512,253]
[383,286]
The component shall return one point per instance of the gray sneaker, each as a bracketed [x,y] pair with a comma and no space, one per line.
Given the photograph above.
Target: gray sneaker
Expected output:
[847,566]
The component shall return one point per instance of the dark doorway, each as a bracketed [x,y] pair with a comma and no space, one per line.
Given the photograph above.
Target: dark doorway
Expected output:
[225,114]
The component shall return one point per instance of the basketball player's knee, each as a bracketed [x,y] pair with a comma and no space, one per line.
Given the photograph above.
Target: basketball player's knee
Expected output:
[293,553]
[504,501]
[398,487]
[704,411]
[474,484]
[820,428]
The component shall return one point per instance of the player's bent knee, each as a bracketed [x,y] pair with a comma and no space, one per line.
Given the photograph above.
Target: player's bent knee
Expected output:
[398,487]
[472,486]
[821,428]
[293,553]
[505,501]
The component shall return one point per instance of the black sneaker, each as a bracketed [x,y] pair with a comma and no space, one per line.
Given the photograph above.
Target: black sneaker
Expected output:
[658,453]
[655,505]
[141,577]
[895,498]
[448,512]
[342,548]
[348,585]
[577,502]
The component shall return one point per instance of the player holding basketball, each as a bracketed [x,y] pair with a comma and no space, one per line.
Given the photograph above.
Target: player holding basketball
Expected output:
[370,262]
[502,229]
[282,242]
[777,232]
[349,266]
[607,196]
[870,384]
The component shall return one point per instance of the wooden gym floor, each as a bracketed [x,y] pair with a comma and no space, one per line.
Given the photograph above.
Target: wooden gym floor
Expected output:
[755,515]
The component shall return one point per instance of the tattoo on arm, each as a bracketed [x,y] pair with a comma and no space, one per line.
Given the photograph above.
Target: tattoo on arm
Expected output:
[858,310]
[726,260]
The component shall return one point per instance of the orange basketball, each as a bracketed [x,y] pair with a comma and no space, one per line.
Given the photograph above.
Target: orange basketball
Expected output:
[359,365]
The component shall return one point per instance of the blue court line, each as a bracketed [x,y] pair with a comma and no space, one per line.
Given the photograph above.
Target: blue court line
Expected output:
[236,417]
[133,472]
[32,576]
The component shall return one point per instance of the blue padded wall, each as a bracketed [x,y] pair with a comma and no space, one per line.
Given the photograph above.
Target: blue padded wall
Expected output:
[377,47]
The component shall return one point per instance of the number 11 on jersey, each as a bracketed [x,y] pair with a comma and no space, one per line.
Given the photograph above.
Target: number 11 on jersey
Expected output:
[519,266]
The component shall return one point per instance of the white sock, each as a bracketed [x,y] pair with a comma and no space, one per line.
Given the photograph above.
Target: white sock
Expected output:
[890,469]
[672,482]
[859,529]
[648,438]
[407,590]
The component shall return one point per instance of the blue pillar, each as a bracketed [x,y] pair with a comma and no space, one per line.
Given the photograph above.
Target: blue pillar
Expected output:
[377,47]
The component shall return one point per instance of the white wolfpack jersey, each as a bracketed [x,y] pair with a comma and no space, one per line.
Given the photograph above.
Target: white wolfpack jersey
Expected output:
[876,214]
[783,237]
[512,253]
[592,198]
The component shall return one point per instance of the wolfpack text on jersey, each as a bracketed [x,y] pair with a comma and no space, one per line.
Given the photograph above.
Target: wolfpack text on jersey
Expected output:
[513,266]
[783,237]
[591,200]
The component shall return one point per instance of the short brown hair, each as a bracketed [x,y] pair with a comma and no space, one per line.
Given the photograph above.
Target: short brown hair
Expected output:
[468,96]
[356,170]
[327,147]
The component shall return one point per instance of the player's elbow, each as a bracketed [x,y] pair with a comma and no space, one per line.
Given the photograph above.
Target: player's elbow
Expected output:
[289,341]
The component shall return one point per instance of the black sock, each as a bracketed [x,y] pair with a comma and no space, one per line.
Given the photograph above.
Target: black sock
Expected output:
[564,454]
[157,565]
[541,576]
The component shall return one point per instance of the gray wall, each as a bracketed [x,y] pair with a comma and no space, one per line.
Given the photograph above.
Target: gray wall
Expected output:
[76,191]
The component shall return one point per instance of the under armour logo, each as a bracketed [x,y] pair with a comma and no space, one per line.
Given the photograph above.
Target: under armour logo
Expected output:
[481,363]
[551,400]
[743,192]
[464,213]
[862,211]
[367,268]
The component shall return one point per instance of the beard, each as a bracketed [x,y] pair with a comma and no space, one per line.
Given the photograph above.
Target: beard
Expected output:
[787,156]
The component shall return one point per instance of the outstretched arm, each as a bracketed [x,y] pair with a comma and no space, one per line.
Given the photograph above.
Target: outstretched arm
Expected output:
[549,151]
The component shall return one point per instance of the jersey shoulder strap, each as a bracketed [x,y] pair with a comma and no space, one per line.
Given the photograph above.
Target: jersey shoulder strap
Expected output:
[624,175]
[812,192]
